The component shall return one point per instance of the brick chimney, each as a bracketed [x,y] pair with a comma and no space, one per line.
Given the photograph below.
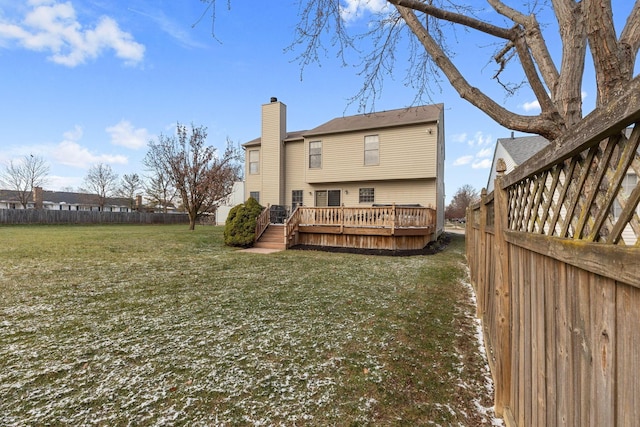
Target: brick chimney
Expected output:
[38,195]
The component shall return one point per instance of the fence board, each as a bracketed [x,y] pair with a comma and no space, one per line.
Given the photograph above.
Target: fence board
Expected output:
[627,357]
[551,281]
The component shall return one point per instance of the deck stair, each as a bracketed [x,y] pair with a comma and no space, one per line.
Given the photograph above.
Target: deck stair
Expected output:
[272,238]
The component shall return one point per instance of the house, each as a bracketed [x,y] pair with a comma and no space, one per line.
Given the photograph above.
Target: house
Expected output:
[514,151]
[379,159]
[63,200]
[235,198]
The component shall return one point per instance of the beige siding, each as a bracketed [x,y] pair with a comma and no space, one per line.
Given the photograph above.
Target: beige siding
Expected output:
[420,191]
[405,153]
[273,133]
[294,172]
[252,182]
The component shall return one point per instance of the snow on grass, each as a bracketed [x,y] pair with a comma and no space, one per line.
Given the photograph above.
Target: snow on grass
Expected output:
[191,334]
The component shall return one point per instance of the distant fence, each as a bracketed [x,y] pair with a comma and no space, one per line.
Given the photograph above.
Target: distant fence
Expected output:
[554,255]
[46,216]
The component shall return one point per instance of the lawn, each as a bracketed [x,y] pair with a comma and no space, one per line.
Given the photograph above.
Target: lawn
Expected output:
[156,325]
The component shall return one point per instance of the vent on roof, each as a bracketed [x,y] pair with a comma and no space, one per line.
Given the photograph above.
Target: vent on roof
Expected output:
[274,99]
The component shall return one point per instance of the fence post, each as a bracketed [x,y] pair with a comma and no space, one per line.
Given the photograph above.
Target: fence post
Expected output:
[481,273]
[502,295]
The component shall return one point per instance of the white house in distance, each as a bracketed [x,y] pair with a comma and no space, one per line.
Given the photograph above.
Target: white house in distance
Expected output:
[383,158]
[515,151]
[235,198]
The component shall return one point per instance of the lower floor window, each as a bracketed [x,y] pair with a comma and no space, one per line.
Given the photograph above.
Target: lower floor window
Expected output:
[367,195]
[296,198]
[255,195]
[327,198]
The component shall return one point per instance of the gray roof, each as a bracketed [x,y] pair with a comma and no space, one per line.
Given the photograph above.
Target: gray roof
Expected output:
[383,119]
[523,148]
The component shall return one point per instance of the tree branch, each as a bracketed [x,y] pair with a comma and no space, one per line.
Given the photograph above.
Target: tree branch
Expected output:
[630,36]
[533,36]
[545,124]
[456,18]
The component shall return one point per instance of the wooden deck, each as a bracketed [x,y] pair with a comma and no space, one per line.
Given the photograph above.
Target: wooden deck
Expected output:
[387,228]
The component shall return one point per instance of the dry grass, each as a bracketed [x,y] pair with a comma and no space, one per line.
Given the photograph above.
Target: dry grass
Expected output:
[144,325]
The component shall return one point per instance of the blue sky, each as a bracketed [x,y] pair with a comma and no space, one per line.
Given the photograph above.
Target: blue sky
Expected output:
[89,81]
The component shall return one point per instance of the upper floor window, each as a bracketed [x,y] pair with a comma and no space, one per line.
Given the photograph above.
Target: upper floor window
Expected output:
[371,150]
[315,154]
[254,162]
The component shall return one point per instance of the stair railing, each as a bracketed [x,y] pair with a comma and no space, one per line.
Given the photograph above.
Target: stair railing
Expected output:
[262,222]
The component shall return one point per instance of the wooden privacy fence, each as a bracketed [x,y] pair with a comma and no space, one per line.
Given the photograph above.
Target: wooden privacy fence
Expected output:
[46,216]
[554,256]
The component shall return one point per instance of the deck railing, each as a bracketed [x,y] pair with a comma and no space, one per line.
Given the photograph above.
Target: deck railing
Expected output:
[385,216]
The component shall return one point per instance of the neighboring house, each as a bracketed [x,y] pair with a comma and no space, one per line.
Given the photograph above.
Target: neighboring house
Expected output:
[383,158]
[515,151]
[235,198]
[62,200]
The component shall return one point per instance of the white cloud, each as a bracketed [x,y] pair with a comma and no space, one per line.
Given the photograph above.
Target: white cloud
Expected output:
[74,134]
[464,160]
[173,29]
[355,9]
[70,153]
[481,164]
[485,152]
[125,135]
[482,158]
[54,28]
[459,137]
[531,106]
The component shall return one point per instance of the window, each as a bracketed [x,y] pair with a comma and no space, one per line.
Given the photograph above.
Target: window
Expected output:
[628,184]
[326,198]
[254,162]
[296,198]
[371,150]
[367,195]
[315,154]
[255,195]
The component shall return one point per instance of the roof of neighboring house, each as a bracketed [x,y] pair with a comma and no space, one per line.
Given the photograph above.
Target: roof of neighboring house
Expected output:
[382,119]
[399,117]
[66,197]
[523,148]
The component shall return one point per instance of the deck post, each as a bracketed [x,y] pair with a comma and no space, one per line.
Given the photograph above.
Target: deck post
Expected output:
[393,218]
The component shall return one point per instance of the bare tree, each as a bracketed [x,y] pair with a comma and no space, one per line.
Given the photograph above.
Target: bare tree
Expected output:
[426,29]
[159,190]
[130,185]
[101,181]
[202,177]
[465,196]
[23,175]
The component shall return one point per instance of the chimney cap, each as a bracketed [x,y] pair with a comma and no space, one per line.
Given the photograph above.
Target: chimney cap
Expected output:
[274,99]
